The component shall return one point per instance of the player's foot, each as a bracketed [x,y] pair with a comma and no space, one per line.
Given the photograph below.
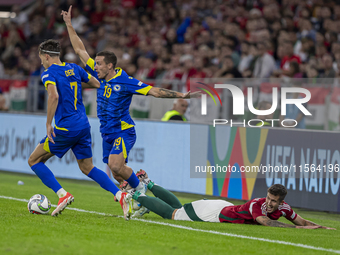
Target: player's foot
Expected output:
[140,212]
[143,176]
[63,202]
[125,186]
[126,204]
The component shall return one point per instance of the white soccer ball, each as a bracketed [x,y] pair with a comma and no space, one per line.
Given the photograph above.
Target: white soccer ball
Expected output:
[39,204]
[136,205]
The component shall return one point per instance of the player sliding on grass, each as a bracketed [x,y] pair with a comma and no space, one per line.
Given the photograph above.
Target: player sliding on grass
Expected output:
[72,128]
[113,103]
[265,211]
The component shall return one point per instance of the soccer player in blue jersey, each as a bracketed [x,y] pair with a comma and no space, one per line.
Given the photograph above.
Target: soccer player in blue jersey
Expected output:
[72,128]
[113,102]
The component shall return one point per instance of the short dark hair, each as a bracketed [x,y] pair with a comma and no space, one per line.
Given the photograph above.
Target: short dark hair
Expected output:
[109,57]
[50,47]
[278,190]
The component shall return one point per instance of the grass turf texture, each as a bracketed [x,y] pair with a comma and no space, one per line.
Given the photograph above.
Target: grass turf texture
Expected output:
[76,232]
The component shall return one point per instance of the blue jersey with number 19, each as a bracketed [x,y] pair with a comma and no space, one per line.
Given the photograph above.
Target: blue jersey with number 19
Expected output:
[70,114]
[114,99]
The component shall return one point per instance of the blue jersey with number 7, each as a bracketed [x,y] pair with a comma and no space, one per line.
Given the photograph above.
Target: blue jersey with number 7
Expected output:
[70,114]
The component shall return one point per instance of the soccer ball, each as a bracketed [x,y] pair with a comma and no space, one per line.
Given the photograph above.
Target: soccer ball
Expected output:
[39,204]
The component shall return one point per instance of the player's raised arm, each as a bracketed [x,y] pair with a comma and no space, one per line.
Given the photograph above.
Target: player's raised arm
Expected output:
[77,44]
[166,93]
[52,103]
[265,221]
[299,221]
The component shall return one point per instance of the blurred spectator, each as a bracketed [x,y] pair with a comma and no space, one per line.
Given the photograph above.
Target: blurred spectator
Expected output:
[264,64]
[78,20]
[328,71]
[294,70]
[177,112]
[158,71]
[21,17]
[288,56]
[228,69]
[246,57]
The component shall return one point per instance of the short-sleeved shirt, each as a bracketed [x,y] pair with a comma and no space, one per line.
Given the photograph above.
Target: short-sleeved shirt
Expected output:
[70,114]
[114,98]
[248,212]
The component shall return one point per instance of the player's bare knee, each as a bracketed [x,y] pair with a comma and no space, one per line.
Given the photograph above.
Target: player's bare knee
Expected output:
[115,168]
[32,161]
[85,168]
[85,171]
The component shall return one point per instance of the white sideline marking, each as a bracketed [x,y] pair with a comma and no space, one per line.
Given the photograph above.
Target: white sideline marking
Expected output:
[197,230]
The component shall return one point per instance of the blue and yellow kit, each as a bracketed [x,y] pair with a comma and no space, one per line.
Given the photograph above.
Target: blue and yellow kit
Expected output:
[70,114]
[113,102]
[114,99]
[72,127]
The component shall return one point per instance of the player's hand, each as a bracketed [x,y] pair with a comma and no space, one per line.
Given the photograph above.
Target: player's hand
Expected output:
[309,227]
[192,95]
[328,228]
[67,15]
[50,132]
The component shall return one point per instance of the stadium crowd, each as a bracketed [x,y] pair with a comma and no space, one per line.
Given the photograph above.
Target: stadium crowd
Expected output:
[181,39]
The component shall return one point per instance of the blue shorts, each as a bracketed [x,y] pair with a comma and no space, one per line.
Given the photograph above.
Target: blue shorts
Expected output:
[79,141]
[117,143]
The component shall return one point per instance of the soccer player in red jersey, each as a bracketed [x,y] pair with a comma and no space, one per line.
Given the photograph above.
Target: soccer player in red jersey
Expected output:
[261,211]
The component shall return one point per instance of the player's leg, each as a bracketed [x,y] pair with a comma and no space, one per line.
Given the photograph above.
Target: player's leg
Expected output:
[116,150]
[117,177]
[83,152]
[37,163]
[159,191]
[37,159]
[99,176]
[155,205]
[119,168]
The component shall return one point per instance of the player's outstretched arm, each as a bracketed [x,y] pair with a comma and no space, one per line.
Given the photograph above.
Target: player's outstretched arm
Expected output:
[93,83]
[52,103]
[166,93]
[265,221]
[299,221]
[77,44]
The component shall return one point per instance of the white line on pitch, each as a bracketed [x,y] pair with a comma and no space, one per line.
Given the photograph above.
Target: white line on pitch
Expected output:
[198,230]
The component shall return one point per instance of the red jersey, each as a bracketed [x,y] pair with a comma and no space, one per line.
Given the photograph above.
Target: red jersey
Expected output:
[248,212]
[286,60]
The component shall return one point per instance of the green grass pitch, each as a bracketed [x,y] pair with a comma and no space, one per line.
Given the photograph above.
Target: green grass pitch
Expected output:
[76,232]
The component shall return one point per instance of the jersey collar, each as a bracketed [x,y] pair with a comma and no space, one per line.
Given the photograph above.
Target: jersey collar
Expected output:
[62,64]
[118,73]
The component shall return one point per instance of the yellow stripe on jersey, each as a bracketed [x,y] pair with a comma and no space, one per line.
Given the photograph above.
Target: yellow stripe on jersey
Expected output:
[49,82]
[62,64]
[89,76]
[46,145]
[124,148]
[90,63]
[125,125]
[59,128]
[144,91]
[118,73]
